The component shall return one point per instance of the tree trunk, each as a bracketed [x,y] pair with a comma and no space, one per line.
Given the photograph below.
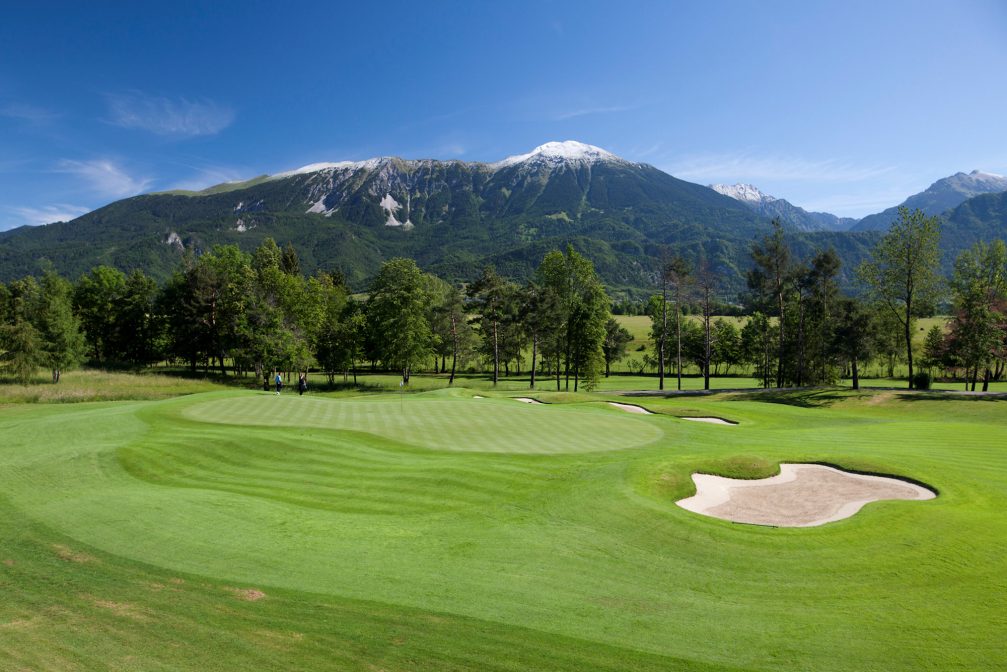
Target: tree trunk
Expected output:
[664,334]
[779,362]
[765,355]
[678,333]
[909,339]
[566,363]
[856,375]
[986,381]
[496,356]
[534,354]
[800,340]
[706,345]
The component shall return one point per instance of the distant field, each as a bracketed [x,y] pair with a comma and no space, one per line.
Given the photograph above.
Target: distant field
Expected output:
[440,531]
[639,326]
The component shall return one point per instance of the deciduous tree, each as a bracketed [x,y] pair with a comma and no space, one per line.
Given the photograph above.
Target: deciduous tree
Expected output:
[902,273]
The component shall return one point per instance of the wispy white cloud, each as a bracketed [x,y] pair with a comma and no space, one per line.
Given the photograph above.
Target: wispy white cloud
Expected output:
[452,149]
[856,205]
[179,117]
[47,214]
[755,167]
[105,177]
[585,111]
[29,113]
[644,151]
[209,176]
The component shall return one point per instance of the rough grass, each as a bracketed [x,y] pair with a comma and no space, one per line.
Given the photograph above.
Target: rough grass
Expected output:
[219,532]
[96,385]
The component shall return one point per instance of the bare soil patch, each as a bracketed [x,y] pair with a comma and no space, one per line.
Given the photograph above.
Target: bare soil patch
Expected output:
[122,609]
[802,495]
[248,594]
[70,555]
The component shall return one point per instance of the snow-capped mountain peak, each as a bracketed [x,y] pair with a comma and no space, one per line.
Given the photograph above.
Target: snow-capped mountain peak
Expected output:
[979,174]
[569,151]
[743,192]
[339,165]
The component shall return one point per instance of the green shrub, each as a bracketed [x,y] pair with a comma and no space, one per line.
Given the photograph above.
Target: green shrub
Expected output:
[921,380]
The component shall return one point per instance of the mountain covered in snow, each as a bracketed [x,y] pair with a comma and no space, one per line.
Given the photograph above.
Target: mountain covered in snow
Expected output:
[453,217]
[939,197]
[788,213]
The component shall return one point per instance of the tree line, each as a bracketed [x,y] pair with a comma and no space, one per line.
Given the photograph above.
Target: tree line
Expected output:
[252,314]
[801,330]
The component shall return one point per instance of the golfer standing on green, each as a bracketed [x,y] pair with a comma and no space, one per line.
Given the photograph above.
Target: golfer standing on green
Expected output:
[279,382]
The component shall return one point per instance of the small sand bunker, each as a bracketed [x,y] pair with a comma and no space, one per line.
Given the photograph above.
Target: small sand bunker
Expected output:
[630,408]
[476,396]
[710,420]
[527,400]
[802,495]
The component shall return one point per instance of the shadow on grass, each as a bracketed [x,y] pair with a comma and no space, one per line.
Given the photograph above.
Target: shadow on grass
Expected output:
[951,395]
[805,398]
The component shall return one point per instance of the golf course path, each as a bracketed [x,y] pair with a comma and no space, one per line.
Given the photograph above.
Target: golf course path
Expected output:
[802,495]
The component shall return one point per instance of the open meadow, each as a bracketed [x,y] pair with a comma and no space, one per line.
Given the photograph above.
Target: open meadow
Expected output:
[460,529]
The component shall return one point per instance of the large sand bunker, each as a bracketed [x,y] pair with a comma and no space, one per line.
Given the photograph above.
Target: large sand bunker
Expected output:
[802,495]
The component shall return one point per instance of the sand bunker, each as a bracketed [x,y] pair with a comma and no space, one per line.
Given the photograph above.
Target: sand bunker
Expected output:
[476,396]
[630,408]
[527,400]
[802,495]
[712,421]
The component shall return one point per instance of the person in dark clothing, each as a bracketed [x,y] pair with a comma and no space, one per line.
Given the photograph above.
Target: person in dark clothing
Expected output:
[265,382]
[302,384]
[279,382]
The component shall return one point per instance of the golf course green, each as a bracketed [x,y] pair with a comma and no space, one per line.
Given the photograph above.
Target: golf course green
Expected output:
[462,530]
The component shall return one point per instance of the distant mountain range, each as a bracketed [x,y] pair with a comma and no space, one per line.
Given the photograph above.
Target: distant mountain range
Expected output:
[788,213]
[455,217]
[939,197]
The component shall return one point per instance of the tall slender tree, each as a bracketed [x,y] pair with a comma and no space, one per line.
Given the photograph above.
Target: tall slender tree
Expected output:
[902,273]
[490,297]
[768,278]
[62,344]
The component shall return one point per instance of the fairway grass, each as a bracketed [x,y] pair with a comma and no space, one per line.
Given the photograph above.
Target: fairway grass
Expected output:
[435,531]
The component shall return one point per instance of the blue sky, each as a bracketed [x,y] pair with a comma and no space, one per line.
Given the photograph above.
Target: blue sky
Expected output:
[846,107]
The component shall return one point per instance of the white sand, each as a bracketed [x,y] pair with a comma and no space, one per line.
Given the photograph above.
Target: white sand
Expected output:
[802,495]
[630,408]
[476,396]
[712,421]
[527,400]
